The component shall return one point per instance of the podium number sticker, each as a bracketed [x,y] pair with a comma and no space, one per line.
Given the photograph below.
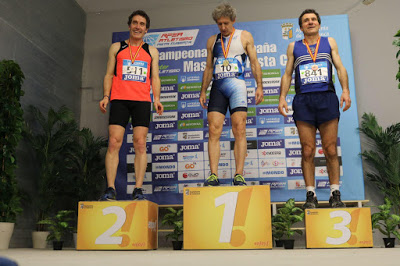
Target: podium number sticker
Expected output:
[229,200]
[227,218]
[116,225]
[347,227]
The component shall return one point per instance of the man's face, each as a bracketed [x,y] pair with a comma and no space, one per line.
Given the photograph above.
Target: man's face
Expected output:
[137,28]
[225,26]
[310,24]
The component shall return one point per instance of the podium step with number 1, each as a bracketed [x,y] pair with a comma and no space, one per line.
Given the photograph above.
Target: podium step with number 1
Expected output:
[227,218]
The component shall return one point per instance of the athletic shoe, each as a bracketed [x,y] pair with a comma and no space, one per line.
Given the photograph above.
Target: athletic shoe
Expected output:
[212,180]
[311,201]
[238,180]
[334,200]
[109,195]
[137,194]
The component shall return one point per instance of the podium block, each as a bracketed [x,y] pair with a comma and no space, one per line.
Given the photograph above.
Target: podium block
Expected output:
[227,218]
[338,228]
[117,225]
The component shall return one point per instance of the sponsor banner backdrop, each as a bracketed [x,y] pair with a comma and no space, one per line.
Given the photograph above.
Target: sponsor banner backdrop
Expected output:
[178,140]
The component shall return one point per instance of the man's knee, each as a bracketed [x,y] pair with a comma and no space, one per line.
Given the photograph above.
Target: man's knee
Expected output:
[330,151]
[308,152]
[214,130]
[139,145]
[239,131]
[239,127]
[114,144]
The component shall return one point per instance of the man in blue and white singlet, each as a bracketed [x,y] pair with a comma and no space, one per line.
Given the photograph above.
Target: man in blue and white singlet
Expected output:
[316,105]
[226,58]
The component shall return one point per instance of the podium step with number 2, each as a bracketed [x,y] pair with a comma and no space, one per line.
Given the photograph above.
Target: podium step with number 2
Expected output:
[117,225]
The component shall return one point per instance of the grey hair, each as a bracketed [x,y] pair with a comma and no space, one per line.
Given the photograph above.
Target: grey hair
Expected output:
[224,10]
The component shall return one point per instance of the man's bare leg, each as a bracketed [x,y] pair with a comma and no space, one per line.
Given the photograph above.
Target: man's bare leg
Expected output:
[215,124]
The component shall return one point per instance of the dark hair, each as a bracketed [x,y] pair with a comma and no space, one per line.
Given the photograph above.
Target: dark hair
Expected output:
[308,11]
[140,13]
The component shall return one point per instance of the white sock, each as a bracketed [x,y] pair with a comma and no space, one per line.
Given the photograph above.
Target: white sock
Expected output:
[333,188]
[311,188]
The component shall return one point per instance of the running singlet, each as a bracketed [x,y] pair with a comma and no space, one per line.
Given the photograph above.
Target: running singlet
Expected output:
[236,57]
[313,76]
[132,81]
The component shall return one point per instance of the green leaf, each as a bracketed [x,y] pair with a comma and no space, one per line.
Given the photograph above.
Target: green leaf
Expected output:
[300,232]
[396,234]
[11,117]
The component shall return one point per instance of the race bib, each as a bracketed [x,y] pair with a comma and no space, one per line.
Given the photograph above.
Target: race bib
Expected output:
[134,72]
[230,69]
[314,73]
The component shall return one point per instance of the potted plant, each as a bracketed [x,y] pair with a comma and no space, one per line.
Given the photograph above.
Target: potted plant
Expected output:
[174,217]
[383,158]
[283,221]
[51,137]
[85,161]
[386,223]
[59,226]
[11,122]
[86,164]
[397,43]
[277,234]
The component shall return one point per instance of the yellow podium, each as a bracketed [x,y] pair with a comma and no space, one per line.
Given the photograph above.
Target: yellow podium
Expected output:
[117,225]
[227,218]
[338,228]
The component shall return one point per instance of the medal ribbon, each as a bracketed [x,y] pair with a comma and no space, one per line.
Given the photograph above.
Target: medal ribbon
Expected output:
[133,58]
[313,57]
[229,44]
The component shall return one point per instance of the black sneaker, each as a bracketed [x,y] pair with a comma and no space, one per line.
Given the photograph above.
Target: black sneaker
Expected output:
[238,180]
[212,180]
[335,201]
[109,195]
[311,201]
[138,194]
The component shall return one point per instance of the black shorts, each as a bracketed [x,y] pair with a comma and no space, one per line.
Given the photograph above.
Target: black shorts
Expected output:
[122,110]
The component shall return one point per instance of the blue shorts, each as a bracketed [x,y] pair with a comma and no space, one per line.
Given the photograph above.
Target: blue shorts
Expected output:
[229,92]
[316,108]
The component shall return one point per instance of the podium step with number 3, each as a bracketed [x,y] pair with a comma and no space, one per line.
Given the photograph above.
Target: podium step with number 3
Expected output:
[338,228]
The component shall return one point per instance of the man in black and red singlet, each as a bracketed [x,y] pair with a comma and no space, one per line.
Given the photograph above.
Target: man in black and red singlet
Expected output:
[131,68]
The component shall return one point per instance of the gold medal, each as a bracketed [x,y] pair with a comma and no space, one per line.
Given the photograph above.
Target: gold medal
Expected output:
[225,63]
[314,67]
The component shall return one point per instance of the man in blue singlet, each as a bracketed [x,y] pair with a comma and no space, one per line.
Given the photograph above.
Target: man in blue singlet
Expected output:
[226,58]
[316,105]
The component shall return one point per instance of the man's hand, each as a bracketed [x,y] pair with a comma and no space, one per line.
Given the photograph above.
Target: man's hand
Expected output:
[283,107]
[346,99]
[103,104]
[203,99]
[259,95]
[158,107]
